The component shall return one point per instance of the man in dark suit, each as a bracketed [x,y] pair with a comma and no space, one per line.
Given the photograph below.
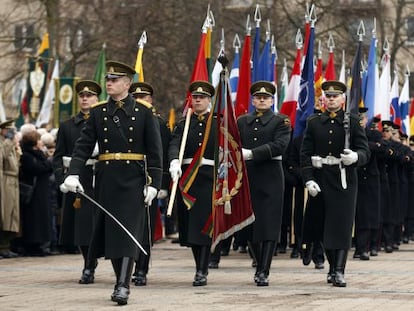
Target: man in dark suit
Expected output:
[192,219]
[128,172]
[367,218]
[265,137]
[329,173]
[78,214]
[144,91]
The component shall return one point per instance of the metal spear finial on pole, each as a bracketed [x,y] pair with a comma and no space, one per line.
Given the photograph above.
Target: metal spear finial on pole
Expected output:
[142,40]
[361,30]
[248,26]
[236,43]
[299,39]
[257,15]
[331,43]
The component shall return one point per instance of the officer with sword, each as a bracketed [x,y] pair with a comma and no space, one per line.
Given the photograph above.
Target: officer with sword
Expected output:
[127,134]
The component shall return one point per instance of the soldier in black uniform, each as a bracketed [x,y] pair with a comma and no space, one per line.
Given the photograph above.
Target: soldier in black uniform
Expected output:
[144,91]
[329,173]
[192,221]
[367,218]
[265,137]
[128,172]
[78,214]
[409,225]
[387,167]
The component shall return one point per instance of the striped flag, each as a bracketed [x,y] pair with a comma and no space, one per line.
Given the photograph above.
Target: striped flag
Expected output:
[234,74]
[395,113]
[403,103]
[382,106]
[292,92]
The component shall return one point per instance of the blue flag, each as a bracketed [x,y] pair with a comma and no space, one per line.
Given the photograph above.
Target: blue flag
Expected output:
[369,79]
[307,90]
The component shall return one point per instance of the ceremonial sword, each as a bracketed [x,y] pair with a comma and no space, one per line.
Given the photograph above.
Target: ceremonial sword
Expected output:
[114,219]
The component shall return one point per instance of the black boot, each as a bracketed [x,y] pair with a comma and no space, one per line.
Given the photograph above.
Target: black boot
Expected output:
[255,250]
[141,269]
[116,265]
[341,255]
[215,257]
[200,278]
[266,261]
[121,293]
[331,256]
[88,272]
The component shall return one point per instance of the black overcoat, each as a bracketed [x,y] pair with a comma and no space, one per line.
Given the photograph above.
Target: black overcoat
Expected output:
[368,200]
[325,136]
[192,222]
[77,223]
[36,216]
[268,136]
[120,183]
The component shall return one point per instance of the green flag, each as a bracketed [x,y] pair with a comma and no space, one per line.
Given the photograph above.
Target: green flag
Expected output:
[66,101]
[100,71]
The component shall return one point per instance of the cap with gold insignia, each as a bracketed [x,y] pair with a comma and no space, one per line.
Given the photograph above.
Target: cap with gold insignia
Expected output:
[262,88]
[203,88]
[88,86]
[6,124]
[362,110]
[333,87]
[387,125]
[115,69]
[141,88]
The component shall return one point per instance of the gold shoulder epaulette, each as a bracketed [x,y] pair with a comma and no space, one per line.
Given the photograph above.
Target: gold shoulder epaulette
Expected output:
[99,104]
[144,103]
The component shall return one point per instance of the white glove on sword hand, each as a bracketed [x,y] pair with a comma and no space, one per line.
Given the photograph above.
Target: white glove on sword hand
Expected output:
[150,193]
[71,184]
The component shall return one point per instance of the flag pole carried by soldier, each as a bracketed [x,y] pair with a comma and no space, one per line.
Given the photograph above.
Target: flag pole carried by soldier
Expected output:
[127,133]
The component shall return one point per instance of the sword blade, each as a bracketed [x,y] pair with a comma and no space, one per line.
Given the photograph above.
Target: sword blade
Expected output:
[114,219]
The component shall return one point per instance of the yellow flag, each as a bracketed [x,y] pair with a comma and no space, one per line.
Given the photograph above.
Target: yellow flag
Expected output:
[138,65]
[44,46]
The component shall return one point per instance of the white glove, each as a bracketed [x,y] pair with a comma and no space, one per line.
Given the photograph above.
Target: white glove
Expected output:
[150,193]
[247,154]
[349,157]
[71,184]
[313,188]
[175,170]
[162,194]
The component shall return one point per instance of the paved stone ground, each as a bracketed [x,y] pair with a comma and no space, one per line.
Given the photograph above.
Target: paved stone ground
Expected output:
[385,282]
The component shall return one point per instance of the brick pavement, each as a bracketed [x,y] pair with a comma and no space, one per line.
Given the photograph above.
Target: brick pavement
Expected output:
[385,282]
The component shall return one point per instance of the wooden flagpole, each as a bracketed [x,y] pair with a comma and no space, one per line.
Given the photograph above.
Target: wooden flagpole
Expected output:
[180,159]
